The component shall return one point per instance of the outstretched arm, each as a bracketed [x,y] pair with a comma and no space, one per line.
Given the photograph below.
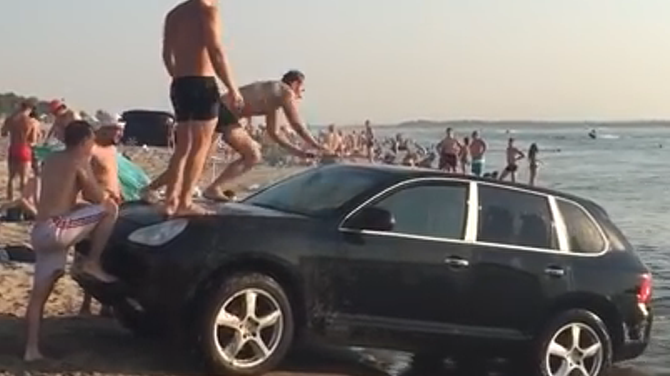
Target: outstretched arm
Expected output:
[293,118]
[273,132]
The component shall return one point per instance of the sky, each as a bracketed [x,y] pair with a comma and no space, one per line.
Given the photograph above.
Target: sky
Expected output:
[383,60]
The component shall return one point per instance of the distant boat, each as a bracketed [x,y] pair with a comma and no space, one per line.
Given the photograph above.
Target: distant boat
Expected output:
[593,134]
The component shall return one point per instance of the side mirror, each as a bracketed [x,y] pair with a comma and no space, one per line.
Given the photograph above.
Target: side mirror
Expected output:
[371,218]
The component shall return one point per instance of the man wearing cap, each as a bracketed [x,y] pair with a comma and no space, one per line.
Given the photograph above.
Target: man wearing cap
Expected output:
[108,132]
[62,117]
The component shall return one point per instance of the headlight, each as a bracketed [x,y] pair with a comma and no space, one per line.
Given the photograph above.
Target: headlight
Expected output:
[159,234]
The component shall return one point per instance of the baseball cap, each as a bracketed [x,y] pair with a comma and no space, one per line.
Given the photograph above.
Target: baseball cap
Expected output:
[105,119]
[55,105]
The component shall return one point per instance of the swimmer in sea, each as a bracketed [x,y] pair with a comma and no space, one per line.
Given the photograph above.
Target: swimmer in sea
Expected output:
[477,150]
[533,163]
[22,130]
[62,222]
[194,57]
[514,155]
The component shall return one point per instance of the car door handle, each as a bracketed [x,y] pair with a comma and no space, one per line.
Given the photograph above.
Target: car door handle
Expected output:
[457,262]
[554,271]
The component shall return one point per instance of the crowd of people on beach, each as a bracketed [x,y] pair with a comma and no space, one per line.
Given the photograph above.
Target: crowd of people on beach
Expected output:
[75,192]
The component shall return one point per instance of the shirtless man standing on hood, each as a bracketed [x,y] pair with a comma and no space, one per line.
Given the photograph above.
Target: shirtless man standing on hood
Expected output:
[194,57]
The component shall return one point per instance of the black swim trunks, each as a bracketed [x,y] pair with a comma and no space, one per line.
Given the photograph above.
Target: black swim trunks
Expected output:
[511,168]
[226,119]
[195,98]
[448,160]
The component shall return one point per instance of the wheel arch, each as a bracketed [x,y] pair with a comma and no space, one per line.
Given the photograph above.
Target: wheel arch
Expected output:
[598,305]
[278,269]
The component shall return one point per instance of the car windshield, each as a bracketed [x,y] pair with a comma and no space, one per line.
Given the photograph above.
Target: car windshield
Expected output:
[318,192]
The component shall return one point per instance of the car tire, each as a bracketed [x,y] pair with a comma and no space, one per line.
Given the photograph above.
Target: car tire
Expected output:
[139,323]
[557,347]
[265,334]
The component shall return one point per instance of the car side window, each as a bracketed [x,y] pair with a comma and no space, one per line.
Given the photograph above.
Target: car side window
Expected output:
[434,209]
[513,217]
[583,234]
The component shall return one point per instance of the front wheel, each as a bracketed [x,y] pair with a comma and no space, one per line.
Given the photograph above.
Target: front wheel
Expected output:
[247,327]
[576,342]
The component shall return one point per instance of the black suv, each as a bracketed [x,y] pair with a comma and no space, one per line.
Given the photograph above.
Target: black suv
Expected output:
[398,258]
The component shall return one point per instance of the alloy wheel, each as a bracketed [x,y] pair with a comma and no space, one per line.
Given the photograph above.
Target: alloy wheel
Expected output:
[248,328]
[574,350]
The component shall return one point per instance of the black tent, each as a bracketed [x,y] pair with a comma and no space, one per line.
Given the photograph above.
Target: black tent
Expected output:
[151,128]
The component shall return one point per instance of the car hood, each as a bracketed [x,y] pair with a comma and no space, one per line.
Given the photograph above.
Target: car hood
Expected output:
[145,215]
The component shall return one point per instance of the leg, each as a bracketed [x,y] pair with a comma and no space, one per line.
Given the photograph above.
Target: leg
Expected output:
[49,267]
[85,309]
[200,135]
[533,173]
[23,171]
[174,174]
[250,155]
[99,237]
[504,174]
[11,175]
[95,222]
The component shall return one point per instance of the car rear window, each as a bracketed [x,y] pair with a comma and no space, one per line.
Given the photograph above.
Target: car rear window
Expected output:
[318,192]
[584,236]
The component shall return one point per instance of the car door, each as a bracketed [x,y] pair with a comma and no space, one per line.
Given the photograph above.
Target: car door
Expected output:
[519,267]
[411,277]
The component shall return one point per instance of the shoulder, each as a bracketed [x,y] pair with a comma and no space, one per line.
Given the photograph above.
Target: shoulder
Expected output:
[209,11]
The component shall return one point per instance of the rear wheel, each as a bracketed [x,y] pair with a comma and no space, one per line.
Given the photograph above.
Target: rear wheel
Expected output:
[247,327]
[576,342]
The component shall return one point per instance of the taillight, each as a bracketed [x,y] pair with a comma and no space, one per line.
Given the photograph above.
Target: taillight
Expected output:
[644,291]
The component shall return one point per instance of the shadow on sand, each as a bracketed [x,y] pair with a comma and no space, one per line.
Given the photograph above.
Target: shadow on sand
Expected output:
[92,345]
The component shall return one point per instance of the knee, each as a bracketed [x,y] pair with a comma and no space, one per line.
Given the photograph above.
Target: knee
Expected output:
[111,208]
[253,158]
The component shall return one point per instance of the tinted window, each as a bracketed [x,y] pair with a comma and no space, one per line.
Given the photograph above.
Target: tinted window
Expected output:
[318,192]
[436,210]
[583,234]
[515,218]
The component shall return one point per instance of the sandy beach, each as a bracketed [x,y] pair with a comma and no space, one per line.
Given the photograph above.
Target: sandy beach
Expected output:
[98,346]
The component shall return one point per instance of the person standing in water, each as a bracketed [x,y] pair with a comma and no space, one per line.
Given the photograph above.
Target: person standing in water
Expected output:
[449,149]
[369,138]
[464,155]
[514,155]
[477,151]
[533,163]
[22,130]
[193,57]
